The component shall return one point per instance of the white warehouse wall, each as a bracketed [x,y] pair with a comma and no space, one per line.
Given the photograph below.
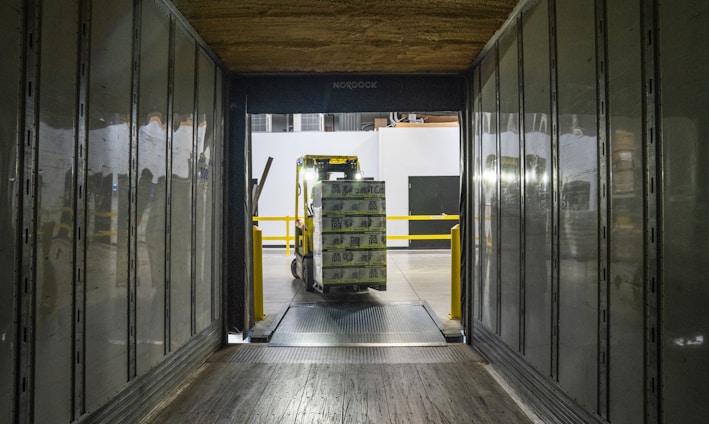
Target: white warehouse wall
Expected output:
[390,154]
[404,152]
[278,195]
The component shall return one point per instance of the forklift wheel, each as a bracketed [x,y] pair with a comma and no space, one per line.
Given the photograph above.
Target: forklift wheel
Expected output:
[308,274]
[294,268]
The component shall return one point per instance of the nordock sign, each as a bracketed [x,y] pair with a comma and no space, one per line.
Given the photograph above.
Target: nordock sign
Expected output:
[354,85]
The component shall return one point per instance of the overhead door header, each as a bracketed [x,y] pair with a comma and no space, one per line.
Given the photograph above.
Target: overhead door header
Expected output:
[349,93]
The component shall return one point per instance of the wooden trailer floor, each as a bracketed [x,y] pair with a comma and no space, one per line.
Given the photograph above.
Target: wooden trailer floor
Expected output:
[257,383]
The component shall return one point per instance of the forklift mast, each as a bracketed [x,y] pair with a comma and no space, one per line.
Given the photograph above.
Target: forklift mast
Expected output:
[309,170]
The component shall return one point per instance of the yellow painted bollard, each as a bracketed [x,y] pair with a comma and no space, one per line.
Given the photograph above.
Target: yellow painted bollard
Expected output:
[258,274]
[455,272]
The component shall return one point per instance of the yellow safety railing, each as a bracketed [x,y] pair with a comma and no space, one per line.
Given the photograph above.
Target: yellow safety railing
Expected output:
[288,238]
[421,218]
[454,237]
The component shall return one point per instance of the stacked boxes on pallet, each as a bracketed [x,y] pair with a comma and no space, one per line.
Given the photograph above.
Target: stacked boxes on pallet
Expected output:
[349,237]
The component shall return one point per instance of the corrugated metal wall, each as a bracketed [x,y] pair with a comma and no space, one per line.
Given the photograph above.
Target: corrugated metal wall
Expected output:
[584,175]
[684,228]
[10,76]
[589,237]
[112,214]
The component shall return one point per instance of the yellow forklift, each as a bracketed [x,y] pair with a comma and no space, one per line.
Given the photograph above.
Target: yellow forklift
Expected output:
[340,225]
[309,170]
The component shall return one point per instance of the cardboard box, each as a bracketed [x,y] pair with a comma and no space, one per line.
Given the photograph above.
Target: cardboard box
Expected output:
[359,223]
[354,275]
[380,123]
[372,206]
[425,125]
[349,232]
[374,240]
[348,188]
[340,258]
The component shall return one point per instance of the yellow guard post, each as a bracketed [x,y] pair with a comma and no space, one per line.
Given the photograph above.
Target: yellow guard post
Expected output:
[455,272]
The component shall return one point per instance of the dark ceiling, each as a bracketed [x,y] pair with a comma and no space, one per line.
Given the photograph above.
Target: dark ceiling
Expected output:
[271,36]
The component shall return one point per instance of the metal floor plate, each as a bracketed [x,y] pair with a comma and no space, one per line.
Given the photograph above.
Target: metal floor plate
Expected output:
[260,353]
[361,324]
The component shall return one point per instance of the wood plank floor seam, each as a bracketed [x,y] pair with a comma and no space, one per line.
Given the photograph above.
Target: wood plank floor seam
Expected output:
[249,392]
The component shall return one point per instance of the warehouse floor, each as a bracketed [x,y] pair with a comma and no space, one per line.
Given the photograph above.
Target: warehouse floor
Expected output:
[412,276]
[380,373]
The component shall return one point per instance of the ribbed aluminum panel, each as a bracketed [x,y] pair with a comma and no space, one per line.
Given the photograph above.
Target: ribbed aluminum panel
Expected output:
[365,324]
[11,15]
[350,121]
[264,354]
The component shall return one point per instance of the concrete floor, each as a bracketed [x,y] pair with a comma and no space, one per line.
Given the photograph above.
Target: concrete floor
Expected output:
[412,276]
